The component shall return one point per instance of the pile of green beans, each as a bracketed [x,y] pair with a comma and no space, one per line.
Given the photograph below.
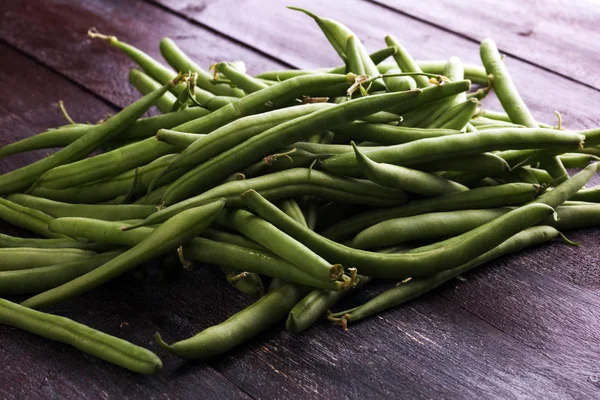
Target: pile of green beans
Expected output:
[311,183]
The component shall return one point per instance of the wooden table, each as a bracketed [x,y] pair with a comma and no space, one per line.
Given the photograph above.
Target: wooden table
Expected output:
[525,326]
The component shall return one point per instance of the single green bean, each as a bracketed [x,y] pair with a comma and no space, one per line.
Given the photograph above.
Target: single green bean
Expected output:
[145,84]
[407,179]
[423,227]
[98,211]
[459,145]
[106,347]
[240,327]
[26,257]
[36,280]
[245,82]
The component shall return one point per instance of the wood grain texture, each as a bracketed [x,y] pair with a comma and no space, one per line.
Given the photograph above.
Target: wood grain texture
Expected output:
[298,41]
[525,326]
[55,32]
[547,33]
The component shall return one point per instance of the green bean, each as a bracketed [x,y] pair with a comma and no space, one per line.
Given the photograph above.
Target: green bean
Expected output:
[391,266]
[215,170]
[431,94]
[575,217]
[237,132]
[278,183]
[455,71]
[24,177]
[181,62]
[475,73]
[248,283]
[291,208]
[416,287]
[98,211]
[104,165]
[458,145]
[554,167]
[488,115]
[110,188]
[239,328]
[354,62]
[36,280]
[27,257]
[51,138]
[568,188]
[59,243]
[245,82]
[144,84]
[232,238]
[314,306]
[229,255]
[423,227]
[27,218]
[504,87]
[173,233]
[388,134]
[456,117]
[592,195]
[407,179]
[406,63]
[337,34]
[106,347]
[280,244]
[540,175]
[485,197]
[382,117]
[574,160]
[399,83]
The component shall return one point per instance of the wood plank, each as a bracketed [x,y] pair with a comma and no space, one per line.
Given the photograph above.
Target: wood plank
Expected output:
[297,40]
[426,349]
[54,32]
[558,35]
[36,367]
[525,296]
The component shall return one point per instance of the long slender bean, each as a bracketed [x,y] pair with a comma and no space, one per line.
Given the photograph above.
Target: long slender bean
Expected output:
[15,258]
[106,347]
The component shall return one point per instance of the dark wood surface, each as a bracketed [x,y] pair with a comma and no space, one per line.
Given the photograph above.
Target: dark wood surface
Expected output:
[525,326]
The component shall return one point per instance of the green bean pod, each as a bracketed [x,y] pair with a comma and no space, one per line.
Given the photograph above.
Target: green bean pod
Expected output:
[98,211]
[145,84]
[36,280]
[395,266]
[245,82]
[484,197]
[410,180]
[315,305]
[575,217]
[417,287]
[27,218]
[399,83]
[183,63]
[170,235]
[15,258]
[106,347]
[239,328]
[423,227]
[406,63]
[459,145]
[7,241]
